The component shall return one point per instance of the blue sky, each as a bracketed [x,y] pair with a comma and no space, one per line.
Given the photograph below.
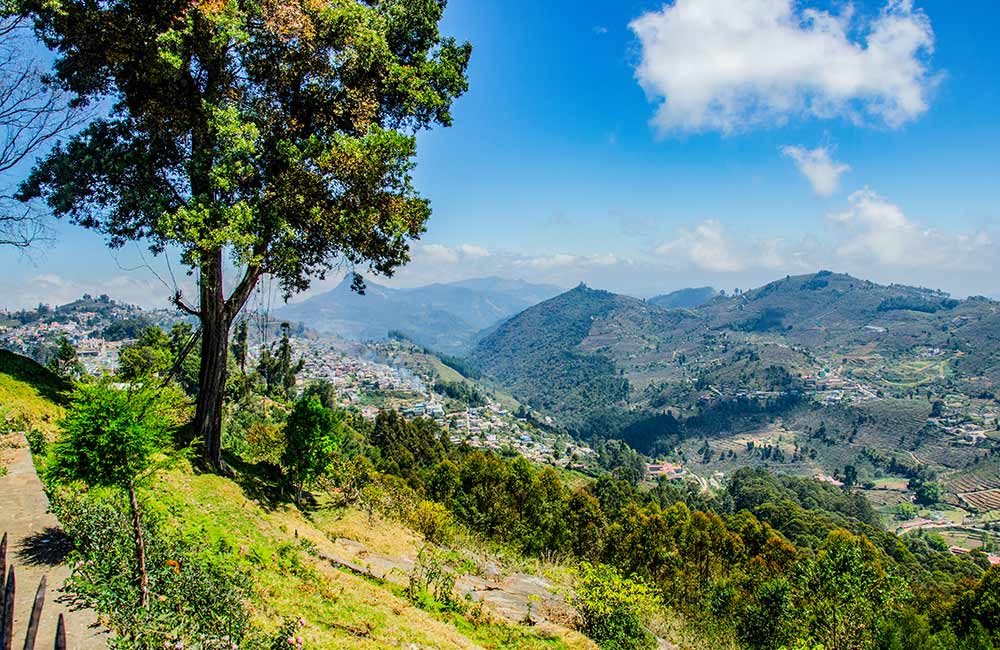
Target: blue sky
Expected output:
[643,146]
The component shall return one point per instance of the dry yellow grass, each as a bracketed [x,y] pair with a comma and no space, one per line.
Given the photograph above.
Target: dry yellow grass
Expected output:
[342,610]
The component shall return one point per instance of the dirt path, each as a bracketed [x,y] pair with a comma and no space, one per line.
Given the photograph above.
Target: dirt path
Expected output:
[36,547]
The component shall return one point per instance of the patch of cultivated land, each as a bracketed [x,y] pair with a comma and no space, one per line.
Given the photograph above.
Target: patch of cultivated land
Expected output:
[982,500]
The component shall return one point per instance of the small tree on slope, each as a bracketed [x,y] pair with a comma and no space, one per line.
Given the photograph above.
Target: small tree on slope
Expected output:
[112,437]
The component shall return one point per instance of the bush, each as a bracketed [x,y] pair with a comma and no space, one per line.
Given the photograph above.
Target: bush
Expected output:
[195,599]
[432,582]
[433,521]
[612,608]
[36,441]
[265,443]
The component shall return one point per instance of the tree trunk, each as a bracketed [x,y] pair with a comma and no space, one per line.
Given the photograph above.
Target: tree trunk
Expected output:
[214,353]
[140,550]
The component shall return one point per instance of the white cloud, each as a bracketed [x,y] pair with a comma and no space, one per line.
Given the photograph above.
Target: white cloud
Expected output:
[874,230]
[708,246]
[729,65]
[471,250]
[564,260]
[55,289]
[435,254]
[822,171]
[448,255]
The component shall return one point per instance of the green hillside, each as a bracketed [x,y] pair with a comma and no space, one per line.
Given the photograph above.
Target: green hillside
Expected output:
[30,392]
[537,355]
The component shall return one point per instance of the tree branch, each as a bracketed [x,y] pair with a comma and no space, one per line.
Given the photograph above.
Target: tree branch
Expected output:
[242,291]
[178,301]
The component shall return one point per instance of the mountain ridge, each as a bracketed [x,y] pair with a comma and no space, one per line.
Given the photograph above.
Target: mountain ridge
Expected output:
[586,347]
[443,316]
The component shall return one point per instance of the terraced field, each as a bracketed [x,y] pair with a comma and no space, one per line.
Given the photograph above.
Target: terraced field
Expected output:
[979,481]
[982,500]
[917,372]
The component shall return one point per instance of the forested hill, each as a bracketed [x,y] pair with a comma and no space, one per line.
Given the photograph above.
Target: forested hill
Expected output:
[537,353]
[586,352]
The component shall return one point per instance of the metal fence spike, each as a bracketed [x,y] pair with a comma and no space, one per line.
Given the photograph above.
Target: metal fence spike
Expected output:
[60,634]
[36,615]
[7,631]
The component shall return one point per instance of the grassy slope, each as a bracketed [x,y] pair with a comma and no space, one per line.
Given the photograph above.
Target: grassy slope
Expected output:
[277,542]
[30,390]
[291,581]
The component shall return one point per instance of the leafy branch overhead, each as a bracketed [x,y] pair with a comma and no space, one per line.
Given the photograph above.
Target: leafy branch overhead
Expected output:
[281,130]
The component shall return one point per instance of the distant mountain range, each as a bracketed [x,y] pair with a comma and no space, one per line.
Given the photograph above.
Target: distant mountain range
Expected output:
[684,298]
[598,360]
[445,317]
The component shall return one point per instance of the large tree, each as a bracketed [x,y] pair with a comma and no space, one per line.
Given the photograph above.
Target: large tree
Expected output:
[278,133]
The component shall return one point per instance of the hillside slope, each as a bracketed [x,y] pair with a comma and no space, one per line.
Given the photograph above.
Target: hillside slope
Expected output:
[684,298]
[287,552]
[584,351]
[30,391]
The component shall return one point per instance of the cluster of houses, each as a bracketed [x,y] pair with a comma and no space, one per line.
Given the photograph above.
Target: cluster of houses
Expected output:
[84,329]
[352,376]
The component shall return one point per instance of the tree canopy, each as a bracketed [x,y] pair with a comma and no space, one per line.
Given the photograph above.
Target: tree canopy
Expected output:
[280,134]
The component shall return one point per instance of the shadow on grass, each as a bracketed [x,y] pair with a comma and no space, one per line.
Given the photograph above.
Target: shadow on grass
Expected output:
[48,547]
[262,483]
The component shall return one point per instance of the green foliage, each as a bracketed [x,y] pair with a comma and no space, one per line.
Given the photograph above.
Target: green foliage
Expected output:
[927,492]
[917,303]
[111,435]
[196,601]
[277,368]
[265,443]
[434,521]
[122,329]
[536,355]
[282,135]
[287,637]
[460,391]
[431,583]
[37,442]
[313,434]
[65,362]
[906,511]
[612,608]
[148,356]
[846,593]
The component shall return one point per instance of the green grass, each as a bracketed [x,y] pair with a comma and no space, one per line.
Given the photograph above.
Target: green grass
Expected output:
[31,391]
[281,546]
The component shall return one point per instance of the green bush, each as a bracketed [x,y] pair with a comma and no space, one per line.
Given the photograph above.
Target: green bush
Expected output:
[196,598]
[612,608]
[433,521]
[36,441]
[432,582]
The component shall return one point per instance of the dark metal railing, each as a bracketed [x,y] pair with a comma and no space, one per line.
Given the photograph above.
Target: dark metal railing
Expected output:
[7,589]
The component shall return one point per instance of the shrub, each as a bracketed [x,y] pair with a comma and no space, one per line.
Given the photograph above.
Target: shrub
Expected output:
[433,521]
[114,437]
[313,434]
[612,608]
[196,600]
[36,441]
[432,582]
[265,443]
